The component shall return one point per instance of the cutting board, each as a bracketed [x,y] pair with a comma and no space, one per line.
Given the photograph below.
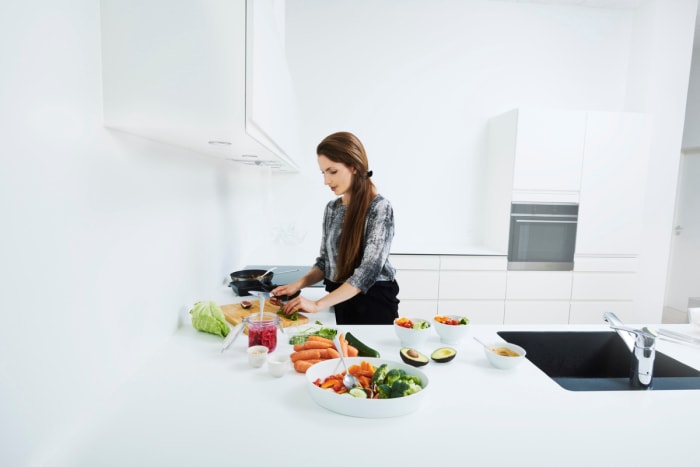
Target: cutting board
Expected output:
[234,313]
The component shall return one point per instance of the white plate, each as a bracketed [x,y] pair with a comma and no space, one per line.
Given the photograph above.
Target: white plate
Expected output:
[366,408]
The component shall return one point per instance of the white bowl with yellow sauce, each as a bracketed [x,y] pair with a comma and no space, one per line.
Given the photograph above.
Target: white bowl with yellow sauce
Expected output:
[504,355]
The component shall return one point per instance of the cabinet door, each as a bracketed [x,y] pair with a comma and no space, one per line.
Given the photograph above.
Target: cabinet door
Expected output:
[271,107]
[613,184]
[536,312]
[549,150]
[418,284]
[591,312]
[424,309]
[539,285]
[478,285]
[477,311]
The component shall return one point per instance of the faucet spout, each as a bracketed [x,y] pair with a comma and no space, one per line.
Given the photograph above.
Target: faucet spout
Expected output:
[642,346]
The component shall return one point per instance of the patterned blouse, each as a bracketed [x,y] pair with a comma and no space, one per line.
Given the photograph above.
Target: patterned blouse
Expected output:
[379,231]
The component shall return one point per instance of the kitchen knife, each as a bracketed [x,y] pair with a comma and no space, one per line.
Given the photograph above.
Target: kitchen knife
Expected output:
[261,294]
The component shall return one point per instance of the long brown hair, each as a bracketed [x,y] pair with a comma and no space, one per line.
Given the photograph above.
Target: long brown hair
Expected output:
[345,148]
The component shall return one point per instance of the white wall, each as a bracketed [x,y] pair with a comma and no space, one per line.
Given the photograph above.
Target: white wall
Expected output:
[418,82]
[104,236]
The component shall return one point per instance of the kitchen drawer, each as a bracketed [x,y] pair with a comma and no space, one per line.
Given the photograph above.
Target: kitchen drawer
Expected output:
[536,312]
[478,311]
[473,263]
[431,262]
[424,309]
[418,284]
[591,312]
[605,264]
[479,285]
[603,286]
[539,285]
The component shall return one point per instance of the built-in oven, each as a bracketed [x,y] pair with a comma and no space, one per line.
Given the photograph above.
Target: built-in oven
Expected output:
[542,236]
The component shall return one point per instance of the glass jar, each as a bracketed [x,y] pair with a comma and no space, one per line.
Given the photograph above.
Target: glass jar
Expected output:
[262,330]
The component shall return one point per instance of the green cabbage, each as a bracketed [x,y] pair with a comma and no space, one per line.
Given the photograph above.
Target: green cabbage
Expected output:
[208,317]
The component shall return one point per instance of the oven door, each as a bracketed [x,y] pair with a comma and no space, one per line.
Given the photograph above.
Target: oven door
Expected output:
[542,238]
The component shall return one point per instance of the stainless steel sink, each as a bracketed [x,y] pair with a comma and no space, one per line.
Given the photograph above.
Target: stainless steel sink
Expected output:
[596,361]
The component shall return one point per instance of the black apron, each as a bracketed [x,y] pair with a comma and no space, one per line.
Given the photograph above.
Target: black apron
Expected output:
[379,305]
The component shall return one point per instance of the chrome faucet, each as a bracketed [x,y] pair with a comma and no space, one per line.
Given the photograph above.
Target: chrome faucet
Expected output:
[642,344]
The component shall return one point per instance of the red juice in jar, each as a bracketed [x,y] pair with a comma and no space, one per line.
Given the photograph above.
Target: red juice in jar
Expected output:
[263,331]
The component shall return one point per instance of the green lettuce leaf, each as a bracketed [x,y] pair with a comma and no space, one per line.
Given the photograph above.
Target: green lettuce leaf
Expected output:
[208,317]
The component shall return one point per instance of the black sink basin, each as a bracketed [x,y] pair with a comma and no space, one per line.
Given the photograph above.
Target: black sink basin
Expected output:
[596,361]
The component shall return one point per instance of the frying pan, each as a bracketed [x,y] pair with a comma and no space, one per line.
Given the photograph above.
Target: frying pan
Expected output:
[246,280]
[252,275]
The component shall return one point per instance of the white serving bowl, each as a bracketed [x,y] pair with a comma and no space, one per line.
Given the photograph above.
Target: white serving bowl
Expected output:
[501,361]
[358,407]
[451,333]
[411,337]
[278,364]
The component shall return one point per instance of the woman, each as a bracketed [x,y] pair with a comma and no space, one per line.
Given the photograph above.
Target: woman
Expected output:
[358,227]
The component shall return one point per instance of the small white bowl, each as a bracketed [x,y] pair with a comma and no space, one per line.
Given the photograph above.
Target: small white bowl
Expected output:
[451,333]
[257,354]
[278,364]
[411,337]
[502,361]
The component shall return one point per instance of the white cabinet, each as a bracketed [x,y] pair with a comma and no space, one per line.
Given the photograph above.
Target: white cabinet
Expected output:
[613,184]
[538,297]
[473,286]
[542,148]
[481,288]
[175,72]
[534,155]
[600,285]
[418,277]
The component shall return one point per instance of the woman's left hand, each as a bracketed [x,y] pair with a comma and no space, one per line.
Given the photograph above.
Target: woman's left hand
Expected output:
[300,303]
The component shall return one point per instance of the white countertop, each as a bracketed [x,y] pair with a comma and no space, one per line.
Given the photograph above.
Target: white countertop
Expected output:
[192,405]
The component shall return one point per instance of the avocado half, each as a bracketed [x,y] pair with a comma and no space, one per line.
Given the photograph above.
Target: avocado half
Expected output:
[413,357]
[443,354]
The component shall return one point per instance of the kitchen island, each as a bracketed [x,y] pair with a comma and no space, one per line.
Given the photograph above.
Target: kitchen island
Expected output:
[192,405]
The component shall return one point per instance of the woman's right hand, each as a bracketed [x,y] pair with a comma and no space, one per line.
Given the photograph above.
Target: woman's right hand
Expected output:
[287,289]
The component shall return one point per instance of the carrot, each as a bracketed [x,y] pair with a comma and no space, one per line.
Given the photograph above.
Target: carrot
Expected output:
[310,354]
[332,353]
[352,351]
[302,365]
[313,345]
[318,345]
[320,339]
[343,345]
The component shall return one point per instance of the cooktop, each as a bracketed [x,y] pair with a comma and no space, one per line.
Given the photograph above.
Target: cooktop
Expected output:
[296,273]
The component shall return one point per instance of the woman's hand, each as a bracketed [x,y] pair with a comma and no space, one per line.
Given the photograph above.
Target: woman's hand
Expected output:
[300,303]
[288,289]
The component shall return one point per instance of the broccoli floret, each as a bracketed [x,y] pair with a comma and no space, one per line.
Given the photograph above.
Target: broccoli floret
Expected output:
[400,388]
[413,379]
[383,391]
[379,374]
[393,375]
[413,388]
